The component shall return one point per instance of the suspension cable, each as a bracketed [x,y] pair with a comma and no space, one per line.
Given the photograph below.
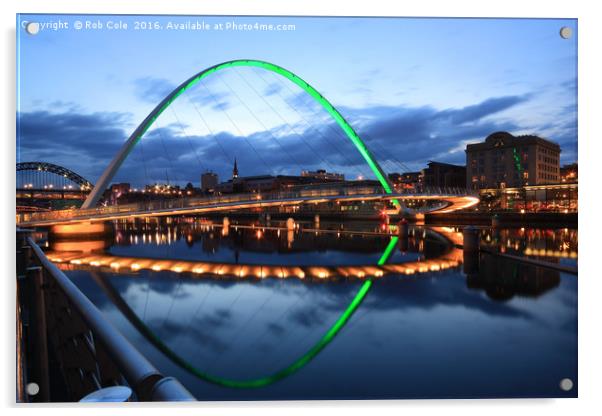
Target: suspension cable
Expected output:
[260,122]
[236,127]
[312,126]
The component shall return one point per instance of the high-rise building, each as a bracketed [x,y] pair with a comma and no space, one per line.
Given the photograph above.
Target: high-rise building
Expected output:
[209,181]
[504,160]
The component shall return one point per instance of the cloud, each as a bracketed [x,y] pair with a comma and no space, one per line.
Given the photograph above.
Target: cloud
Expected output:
[414,135]
[481,110]
[272,89]
[71,139]
[152,90]
[426,292]
[401,138]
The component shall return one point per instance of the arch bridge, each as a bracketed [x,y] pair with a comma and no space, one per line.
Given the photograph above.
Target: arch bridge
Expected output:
[452,199]
[41,168]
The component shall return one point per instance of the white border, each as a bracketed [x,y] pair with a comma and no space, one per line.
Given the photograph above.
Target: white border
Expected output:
[590,70]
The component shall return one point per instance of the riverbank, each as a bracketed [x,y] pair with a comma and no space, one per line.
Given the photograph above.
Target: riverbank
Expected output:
[551,219]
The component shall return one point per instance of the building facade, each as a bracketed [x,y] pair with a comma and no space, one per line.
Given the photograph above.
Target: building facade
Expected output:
[560,197]
[406,180]
[209,181]
[116,191]
[444,175]
[322,175]
[569,173]
[507,161]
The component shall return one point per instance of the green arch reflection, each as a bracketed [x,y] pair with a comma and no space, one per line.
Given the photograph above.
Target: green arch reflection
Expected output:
[257,382]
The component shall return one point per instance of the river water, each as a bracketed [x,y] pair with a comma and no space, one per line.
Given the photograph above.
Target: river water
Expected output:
[308,313]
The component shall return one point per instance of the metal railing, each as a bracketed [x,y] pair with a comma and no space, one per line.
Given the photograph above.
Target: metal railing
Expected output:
[73,342]
[199,202]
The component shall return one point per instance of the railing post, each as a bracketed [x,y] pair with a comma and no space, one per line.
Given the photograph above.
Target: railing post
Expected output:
[23,251]
[35,278]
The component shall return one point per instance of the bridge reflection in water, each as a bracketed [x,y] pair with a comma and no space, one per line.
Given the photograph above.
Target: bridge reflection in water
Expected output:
[239,328]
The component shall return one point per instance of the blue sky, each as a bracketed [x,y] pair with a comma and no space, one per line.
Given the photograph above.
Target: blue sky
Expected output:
[414,89]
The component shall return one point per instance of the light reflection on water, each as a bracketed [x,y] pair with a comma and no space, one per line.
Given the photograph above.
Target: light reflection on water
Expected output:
[555,245]
[487,328]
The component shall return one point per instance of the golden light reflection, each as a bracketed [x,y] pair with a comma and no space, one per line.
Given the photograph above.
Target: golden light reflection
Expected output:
[78,259]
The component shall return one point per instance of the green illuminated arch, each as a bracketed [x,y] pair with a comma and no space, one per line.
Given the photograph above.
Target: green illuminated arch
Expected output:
[262,381]
[110,171]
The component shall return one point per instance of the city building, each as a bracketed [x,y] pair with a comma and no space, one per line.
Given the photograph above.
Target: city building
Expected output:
[209,181]
[163,189]
[395,178]
[569,173]
[507,161]
[116,190]
[412,180]
[560,197]
[265,183]
[439,174]
[322,175]
[406,180]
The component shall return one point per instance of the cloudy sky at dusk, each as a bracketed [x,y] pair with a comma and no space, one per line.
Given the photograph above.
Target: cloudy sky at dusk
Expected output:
[414,89]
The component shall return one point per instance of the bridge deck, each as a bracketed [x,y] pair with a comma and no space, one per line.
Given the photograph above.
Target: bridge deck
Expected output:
[452,202]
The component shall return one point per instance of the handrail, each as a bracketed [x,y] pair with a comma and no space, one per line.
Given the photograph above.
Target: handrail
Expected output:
[181,203]
[148,383]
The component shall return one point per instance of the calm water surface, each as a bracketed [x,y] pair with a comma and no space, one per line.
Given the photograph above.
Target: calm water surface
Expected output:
[489,327]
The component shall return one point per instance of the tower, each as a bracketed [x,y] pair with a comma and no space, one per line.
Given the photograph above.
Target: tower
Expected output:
[235,170]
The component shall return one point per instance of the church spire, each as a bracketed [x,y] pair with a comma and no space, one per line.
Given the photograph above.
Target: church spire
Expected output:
[235,170]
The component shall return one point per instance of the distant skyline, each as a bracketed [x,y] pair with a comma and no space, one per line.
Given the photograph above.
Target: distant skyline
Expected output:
[415,89]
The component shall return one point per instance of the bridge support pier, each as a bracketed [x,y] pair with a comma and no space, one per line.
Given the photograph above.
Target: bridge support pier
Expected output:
[290,232]
[495,221]
[290,224]
[226,226]
[471,239]
[403,231]
[81,229]
[471,250]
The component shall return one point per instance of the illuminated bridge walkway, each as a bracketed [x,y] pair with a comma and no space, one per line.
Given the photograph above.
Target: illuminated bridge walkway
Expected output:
[447,200]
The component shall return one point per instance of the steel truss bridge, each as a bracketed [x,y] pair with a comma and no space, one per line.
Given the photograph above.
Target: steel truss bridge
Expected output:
[41,169]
